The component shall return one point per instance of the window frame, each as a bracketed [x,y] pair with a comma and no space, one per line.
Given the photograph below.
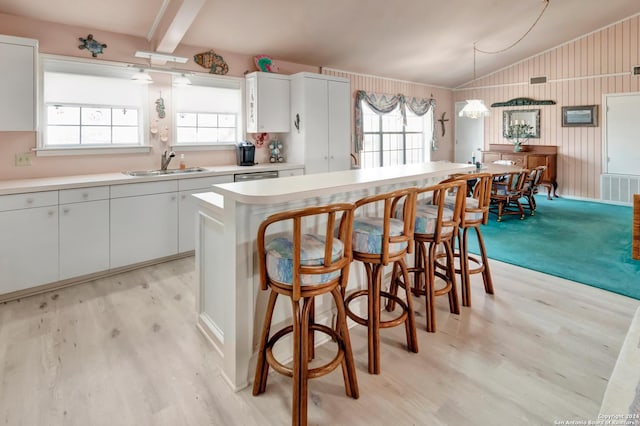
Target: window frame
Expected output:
[64,64]
[222,82]
[403,133]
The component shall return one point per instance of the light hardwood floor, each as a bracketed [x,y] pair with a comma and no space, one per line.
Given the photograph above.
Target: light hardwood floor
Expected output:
[124,350]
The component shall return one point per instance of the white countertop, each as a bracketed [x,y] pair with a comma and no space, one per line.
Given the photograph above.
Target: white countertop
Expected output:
[298,187]
[81,181]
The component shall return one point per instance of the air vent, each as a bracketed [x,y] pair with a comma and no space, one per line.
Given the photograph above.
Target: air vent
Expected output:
[538,80]
[636,70]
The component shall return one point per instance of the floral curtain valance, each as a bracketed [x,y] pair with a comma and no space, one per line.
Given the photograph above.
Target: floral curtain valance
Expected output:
[384,105]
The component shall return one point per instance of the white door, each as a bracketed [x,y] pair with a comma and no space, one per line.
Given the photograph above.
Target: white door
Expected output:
[316,125]
[469,136]
[621,153]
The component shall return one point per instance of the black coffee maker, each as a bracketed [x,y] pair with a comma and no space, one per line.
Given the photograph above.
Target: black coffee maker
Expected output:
[246,153]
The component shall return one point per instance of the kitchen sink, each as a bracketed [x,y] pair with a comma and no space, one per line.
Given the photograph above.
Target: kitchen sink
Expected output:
[165,172]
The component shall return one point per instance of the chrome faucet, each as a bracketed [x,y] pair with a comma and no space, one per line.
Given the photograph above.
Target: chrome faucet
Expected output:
[166,158]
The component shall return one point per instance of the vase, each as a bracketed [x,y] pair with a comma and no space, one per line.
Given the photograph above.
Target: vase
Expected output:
[517,147]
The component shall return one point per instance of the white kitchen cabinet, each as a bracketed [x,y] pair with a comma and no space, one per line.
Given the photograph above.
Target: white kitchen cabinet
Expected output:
[187,207]
[143,222]
[84,231]
[29,244]
[320,107]
[267,102]
[18,59]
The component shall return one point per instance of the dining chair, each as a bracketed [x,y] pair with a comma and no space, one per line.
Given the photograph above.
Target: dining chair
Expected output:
[531,188]
[506,192]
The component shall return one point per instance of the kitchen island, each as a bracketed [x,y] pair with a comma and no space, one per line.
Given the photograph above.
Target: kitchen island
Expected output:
[230,305]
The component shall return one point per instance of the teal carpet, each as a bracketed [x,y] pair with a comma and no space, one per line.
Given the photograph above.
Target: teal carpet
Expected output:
[582,241]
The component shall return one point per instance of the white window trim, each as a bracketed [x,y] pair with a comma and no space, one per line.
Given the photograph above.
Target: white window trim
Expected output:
[109,68]
[201,79]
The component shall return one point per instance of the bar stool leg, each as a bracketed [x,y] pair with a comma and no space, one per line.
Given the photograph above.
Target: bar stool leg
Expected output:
[348,365]
[454,305]
[305,340]
[410,323]
[430,287]
[262,369]
[486,273]
[374,275]
[465,278]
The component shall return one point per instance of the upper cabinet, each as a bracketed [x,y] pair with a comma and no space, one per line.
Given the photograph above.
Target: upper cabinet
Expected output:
[320,139]
[267,102]
[18,83]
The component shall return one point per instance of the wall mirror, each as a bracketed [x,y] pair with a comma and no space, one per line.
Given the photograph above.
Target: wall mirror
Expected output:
[529,117]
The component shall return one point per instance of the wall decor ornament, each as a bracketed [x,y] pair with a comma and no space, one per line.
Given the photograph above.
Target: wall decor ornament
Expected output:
[211,61]
[92,45]
[580,116]
[265,63]
[522,102]
[160,107]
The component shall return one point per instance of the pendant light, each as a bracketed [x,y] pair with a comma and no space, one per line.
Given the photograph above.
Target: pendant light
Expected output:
[475,108]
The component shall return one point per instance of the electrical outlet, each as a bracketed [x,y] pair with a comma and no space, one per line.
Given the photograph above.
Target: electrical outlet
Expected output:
[24,159]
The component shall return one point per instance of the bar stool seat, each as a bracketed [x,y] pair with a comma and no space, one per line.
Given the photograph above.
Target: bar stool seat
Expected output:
[379,241]
[302,266]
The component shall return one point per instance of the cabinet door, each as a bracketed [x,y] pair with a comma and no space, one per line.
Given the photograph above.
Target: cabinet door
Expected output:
[17,84]
[339,125]
[143,228]
[536,160]
[29,248]
[315,120]
[84,238]
[267,102]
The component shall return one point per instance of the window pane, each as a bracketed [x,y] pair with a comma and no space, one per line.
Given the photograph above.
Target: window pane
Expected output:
[414,124]
[125,135]
[125,117]
[227,135]
[63,135]
[207,134]
[186,134]
[96,135]
[227,120]
[57,114]
[207,120]
[96,116]
[186,119]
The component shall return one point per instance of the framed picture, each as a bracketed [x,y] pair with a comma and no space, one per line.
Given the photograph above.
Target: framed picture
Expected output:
[580,116]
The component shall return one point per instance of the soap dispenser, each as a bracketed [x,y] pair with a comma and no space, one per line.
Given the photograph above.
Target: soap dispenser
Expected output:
[182,163]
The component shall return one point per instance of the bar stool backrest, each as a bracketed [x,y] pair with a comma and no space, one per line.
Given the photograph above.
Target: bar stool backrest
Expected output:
[329,216]
[481,193]
[449,187]
[405,197]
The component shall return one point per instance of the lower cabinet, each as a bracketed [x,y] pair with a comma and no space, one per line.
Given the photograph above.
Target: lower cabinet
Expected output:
[84,238]
[29,249]
[144,222]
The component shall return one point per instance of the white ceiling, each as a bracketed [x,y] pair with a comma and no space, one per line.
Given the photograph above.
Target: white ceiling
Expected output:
[425,41]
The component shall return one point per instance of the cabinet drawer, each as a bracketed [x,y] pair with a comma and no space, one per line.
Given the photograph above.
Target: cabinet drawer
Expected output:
[145,188]
[203,182]
[27,201]
[80,195]
[518,160]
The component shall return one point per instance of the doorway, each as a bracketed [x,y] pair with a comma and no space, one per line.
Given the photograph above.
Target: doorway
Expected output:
[469,136]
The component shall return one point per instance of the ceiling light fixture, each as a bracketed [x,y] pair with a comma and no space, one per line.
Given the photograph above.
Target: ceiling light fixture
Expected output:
[181,81]
[162,57]
[475,108]
[142,77]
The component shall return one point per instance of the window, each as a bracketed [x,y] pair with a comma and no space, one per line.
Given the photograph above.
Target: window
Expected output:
[387,142]
[89,106]
[208,112]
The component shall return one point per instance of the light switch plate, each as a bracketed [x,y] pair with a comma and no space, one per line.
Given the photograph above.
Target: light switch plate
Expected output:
[24,159]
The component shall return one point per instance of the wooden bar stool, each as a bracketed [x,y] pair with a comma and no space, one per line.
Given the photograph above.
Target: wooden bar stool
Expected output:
[301,266]
[378,241]
[435,225]
[476,213]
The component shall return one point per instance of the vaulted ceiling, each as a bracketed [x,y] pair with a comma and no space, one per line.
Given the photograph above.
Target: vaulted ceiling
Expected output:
[426,41]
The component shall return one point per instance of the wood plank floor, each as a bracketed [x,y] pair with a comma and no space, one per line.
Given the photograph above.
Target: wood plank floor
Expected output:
[124,350]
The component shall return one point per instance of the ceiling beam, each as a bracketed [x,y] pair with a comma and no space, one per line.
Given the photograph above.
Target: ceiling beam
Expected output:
[175,21]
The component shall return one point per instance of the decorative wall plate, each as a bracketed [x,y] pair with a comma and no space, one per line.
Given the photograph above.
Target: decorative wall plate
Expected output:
[212,61]
[265,63]
[93,46]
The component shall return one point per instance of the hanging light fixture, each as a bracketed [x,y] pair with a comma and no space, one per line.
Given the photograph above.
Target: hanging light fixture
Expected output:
[142,77]
[475,108]
[181,81]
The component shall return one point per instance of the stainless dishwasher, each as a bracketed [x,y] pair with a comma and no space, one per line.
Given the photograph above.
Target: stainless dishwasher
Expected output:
[244,177]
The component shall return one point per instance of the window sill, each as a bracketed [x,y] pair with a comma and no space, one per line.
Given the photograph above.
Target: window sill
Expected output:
[52,152]
[204,147]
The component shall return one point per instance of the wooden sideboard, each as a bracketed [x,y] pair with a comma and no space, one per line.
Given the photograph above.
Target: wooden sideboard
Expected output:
[531,156]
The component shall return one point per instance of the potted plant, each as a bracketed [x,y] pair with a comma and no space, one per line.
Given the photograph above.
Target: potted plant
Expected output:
[519,132]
